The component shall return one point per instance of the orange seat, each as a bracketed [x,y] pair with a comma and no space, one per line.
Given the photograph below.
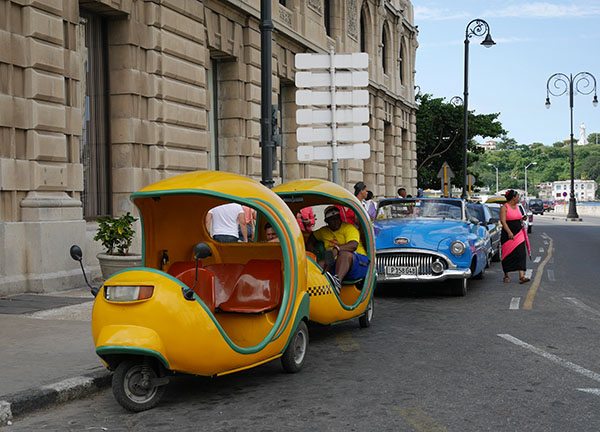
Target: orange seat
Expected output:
[225,275]
[204,287]
[181,266]
[257,289]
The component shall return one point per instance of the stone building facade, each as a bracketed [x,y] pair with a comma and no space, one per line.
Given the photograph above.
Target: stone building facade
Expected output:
[101,97]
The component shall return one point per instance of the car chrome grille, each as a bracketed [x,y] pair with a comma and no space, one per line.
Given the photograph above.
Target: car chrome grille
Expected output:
[411,259]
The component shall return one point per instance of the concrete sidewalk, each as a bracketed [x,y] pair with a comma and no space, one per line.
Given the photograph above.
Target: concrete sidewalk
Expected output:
[47,353]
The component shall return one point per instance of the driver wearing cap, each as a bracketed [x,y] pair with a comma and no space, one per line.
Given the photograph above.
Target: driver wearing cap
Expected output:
[343,239]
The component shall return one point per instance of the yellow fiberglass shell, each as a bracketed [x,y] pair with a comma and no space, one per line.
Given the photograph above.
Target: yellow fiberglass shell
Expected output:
[326,306]
[186,336]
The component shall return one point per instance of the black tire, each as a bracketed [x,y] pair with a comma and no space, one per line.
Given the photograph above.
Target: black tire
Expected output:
[295,354]
[129,389]
[529,229]
[365,319]
[458,287]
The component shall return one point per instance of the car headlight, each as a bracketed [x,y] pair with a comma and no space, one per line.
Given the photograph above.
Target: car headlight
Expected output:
[437,266]
[457,248]
[127,293]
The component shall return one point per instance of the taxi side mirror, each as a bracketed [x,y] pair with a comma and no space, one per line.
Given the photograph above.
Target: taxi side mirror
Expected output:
[202,250]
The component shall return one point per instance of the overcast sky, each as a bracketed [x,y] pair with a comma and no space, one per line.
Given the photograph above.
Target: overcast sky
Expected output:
[534,40]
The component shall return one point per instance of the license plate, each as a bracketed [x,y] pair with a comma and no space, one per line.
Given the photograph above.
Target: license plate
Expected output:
[400,271]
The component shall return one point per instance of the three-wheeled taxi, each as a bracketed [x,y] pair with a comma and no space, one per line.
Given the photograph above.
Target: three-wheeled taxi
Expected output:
[200,306]
[355,298]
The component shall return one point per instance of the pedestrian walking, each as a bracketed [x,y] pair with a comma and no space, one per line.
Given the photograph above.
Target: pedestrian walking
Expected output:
[513,238]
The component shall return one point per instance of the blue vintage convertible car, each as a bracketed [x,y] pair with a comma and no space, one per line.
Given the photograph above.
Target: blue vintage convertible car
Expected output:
[428,240]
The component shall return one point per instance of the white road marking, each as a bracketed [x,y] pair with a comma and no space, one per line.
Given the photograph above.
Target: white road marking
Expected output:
[528,273]
[544,235]
[546,242]
[514,303]
[553,358]
[537,259]
[595,391]
[582,305]
[541,250]
[551,275]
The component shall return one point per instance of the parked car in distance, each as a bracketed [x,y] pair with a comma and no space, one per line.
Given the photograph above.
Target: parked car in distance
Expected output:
[536,206]
[492,223]
[548,205]
[429,240]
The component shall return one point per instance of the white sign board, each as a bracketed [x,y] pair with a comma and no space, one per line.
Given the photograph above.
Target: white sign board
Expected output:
[348,151]
[340,61]
[340,79]
[316,116]
[319,98]
[343,134]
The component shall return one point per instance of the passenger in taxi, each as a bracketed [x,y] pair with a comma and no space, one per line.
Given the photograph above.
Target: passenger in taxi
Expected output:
[343,241]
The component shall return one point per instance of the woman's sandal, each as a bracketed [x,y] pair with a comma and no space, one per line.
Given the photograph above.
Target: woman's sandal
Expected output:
[524,280]
[506,279]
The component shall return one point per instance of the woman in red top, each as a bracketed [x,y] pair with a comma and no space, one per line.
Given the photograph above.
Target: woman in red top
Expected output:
[514,252]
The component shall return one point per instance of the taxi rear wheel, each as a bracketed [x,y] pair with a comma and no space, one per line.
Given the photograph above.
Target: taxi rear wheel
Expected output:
[132,385]
[365,319]
[294,355]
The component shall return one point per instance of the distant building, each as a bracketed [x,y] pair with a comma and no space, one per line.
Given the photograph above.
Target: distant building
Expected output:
[585,190]
[545,191]
[488,145]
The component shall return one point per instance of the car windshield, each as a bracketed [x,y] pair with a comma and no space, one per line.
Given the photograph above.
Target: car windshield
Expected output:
[476,210]
[427,208]
[495,211]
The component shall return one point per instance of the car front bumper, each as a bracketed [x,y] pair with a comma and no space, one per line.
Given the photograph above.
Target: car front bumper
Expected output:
[419,261]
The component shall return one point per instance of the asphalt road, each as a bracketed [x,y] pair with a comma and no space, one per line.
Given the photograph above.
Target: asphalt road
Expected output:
[506,357]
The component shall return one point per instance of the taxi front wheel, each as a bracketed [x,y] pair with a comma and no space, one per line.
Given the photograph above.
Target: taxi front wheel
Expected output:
[137,386]
[365,319]
[294,355]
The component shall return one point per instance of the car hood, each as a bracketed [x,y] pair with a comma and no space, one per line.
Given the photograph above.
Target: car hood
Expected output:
[419,233]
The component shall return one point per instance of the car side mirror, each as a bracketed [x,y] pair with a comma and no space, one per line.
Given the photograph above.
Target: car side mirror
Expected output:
[494,221]
[473,220]
[77,255]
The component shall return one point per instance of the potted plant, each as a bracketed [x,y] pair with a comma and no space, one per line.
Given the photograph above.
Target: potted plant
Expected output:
[116,235]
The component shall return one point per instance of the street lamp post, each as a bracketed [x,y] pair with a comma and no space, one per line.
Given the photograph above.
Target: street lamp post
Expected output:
[492,165]
[477,27]
[558,85]
[527,190]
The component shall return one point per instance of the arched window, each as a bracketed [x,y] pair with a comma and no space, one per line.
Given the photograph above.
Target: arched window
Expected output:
[327,17]
[401,62]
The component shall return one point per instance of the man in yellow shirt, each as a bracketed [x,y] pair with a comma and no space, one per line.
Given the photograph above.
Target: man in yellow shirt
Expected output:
[343,240]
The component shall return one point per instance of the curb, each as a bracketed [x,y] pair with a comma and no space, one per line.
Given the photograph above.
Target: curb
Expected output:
[24,402]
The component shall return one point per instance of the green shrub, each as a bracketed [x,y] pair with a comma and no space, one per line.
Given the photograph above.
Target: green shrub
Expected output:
[116,234]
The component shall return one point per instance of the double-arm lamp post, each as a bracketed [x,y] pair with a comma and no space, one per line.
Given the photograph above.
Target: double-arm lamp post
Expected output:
[558,85]
[477,27]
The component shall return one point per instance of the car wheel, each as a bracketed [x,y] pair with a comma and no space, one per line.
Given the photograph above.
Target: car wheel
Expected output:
[294,355]
[458,287]
[132,385]
[365,319]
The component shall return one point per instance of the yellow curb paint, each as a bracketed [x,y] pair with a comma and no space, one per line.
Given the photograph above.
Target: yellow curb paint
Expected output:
[528,304]
[346,343]
[419,420]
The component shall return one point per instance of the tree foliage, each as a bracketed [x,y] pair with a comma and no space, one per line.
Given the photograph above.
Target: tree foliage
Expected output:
[440,138]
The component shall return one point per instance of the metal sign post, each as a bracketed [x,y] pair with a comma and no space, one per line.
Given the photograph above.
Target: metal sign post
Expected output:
[445,174]
[336,112]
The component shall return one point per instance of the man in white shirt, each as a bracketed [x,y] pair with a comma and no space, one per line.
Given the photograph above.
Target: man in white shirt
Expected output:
[222,223]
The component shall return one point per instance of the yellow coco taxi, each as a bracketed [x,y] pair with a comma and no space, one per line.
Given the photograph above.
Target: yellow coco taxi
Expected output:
[200,306]
[355,297]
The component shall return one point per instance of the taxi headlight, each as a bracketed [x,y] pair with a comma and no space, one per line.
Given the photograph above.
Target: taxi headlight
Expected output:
[457,248]
[127,293]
